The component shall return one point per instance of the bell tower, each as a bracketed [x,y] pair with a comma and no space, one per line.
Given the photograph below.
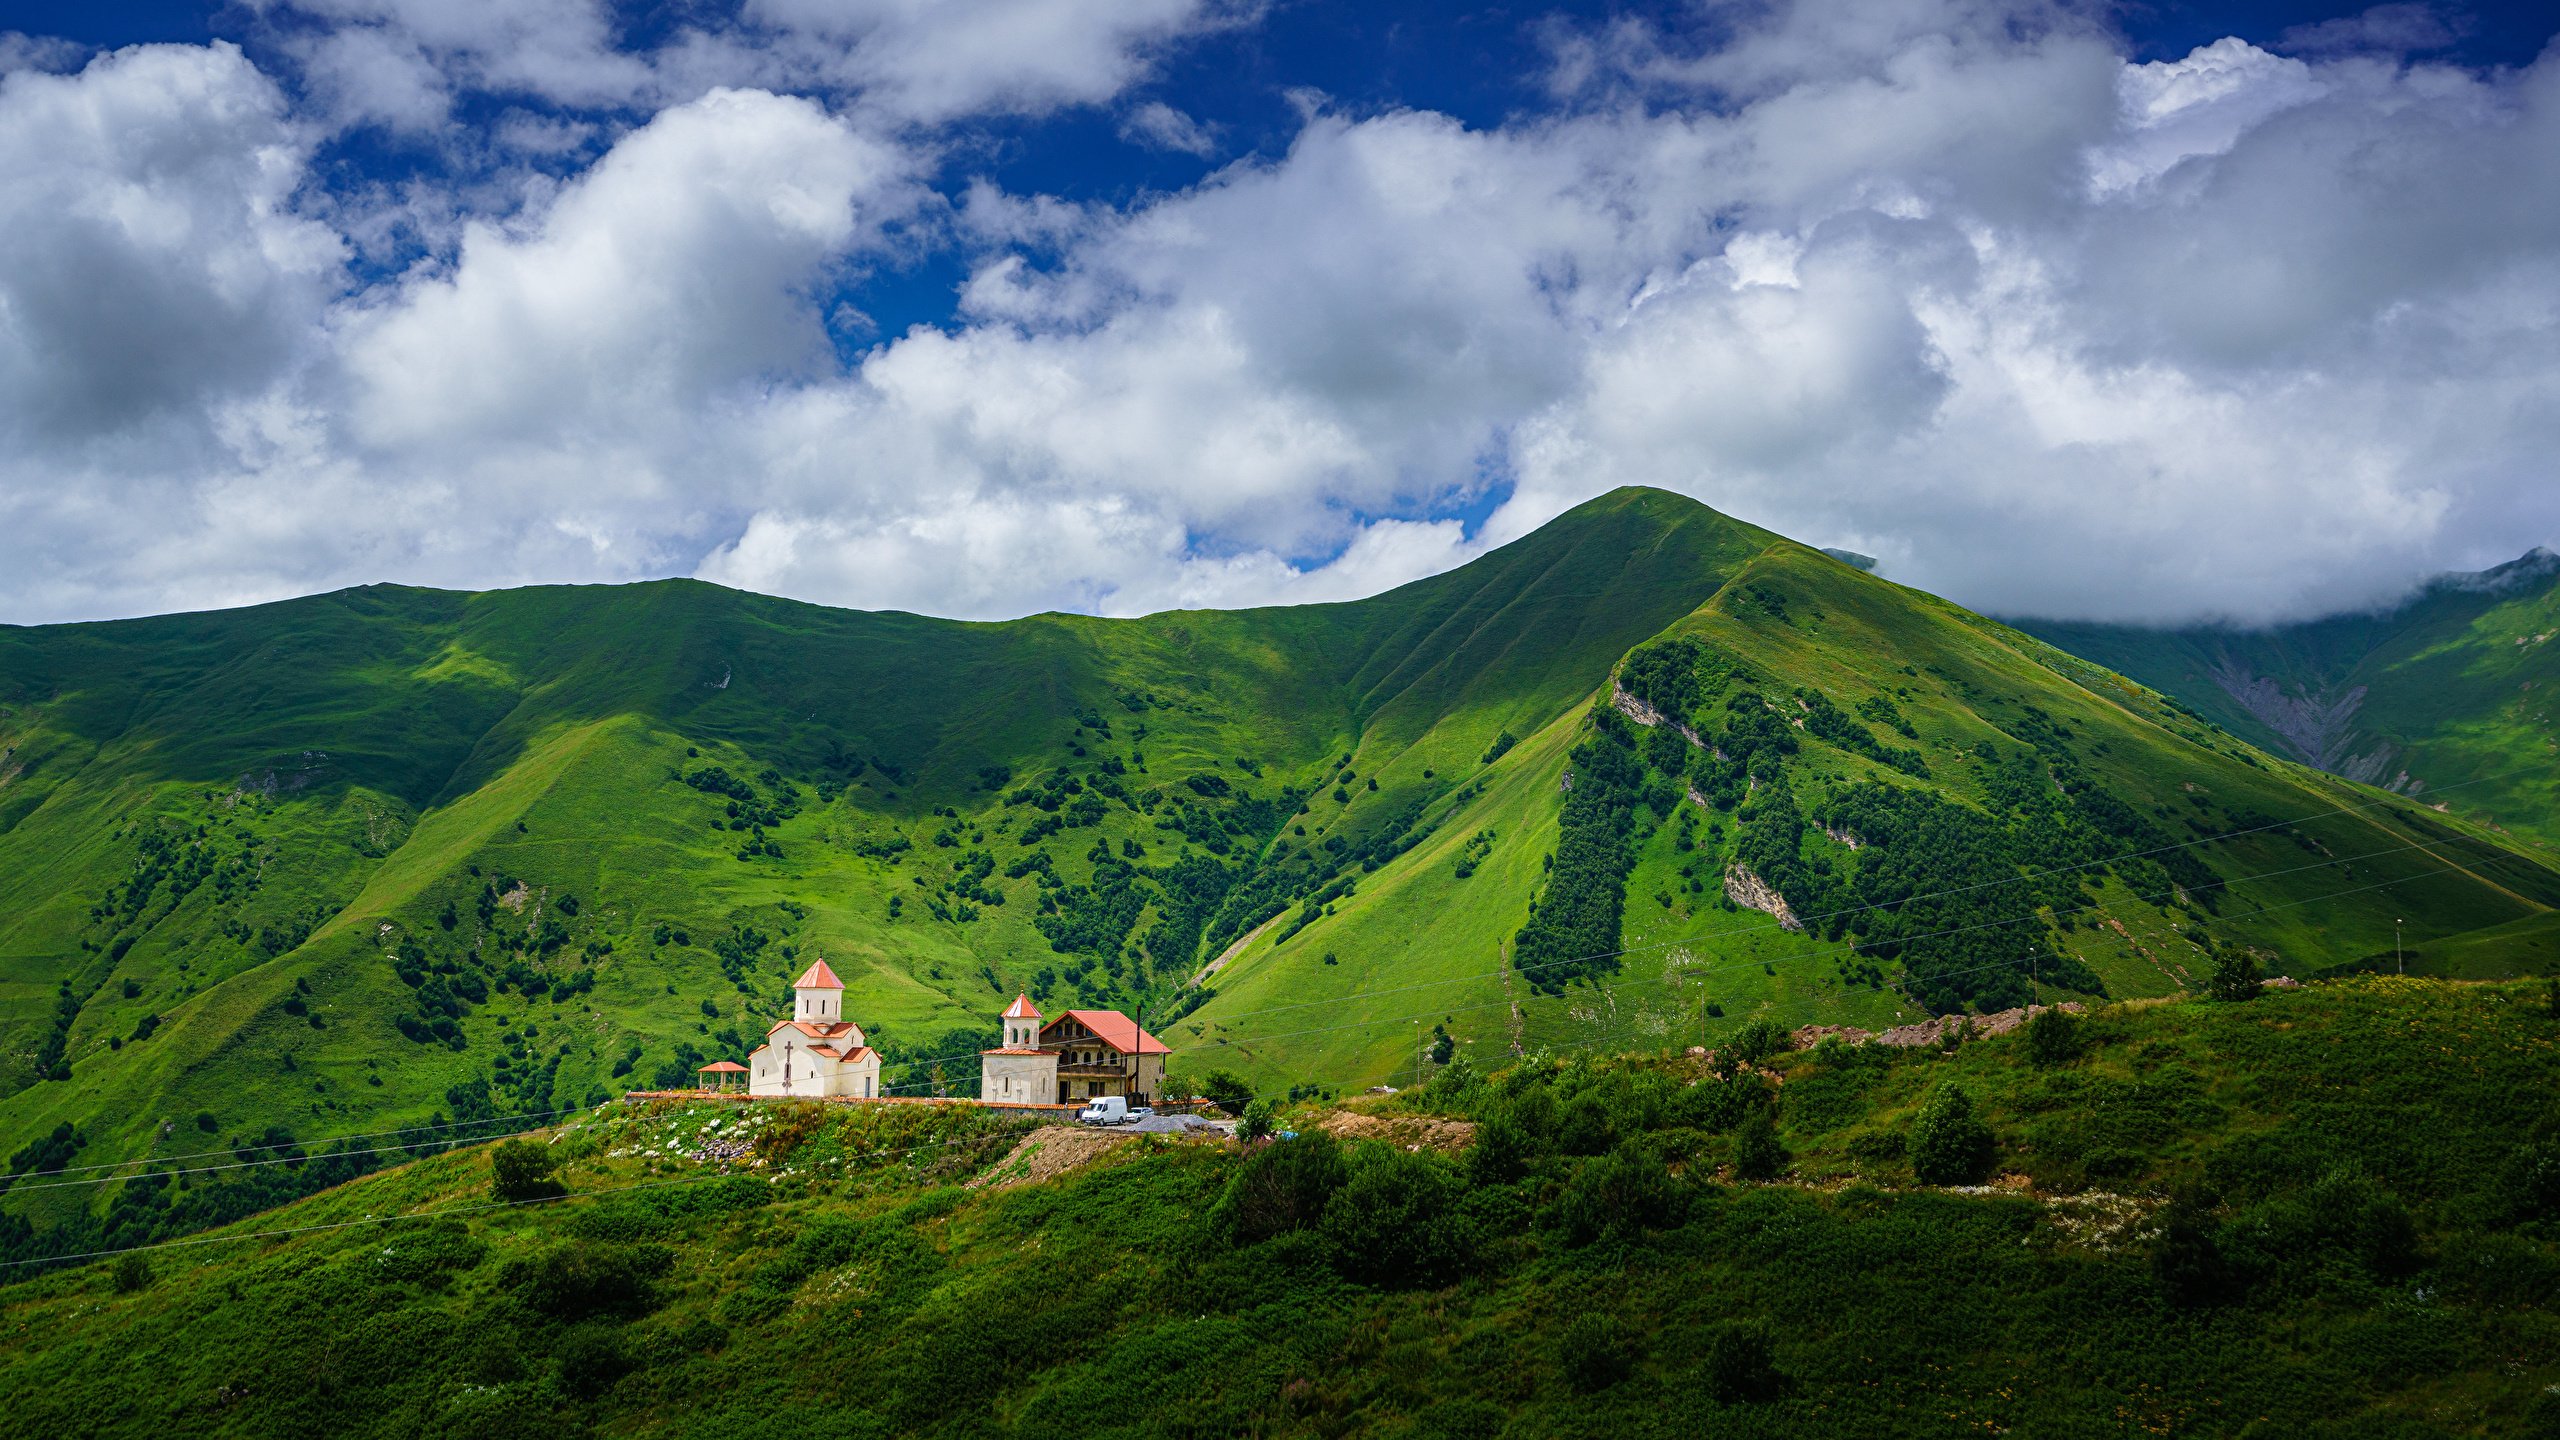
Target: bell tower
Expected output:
[820,996]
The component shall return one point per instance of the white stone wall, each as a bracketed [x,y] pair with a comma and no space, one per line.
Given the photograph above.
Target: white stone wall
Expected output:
[1018,1079]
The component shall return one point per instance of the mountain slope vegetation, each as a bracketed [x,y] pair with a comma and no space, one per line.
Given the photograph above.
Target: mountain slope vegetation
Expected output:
[393,857]
[2447,695]
[2203,1219]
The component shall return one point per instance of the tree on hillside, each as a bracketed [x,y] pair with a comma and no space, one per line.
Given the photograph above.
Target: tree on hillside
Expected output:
[2235,976]
[1757,1155]
[2053,1038]
[520,1170]
[1949,1144]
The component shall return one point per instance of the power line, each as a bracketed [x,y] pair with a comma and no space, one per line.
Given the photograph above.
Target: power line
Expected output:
[289,1231]
[329,1140]
[1850,946]
[441,1214]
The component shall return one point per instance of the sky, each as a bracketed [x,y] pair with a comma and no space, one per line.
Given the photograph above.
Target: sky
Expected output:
[2161,313]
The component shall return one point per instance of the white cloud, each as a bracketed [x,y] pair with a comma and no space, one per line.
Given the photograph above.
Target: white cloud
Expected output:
[149,259]
[672,271]
[1159,126]
[1955,284]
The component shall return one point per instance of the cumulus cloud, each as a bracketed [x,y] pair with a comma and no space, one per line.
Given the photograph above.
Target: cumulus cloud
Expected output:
[403,63]
[2238,333]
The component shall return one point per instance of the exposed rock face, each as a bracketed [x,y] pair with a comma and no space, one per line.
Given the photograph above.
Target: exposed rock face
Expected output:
[1639,710]
[1753,893]
[2321,728]
[1845,837]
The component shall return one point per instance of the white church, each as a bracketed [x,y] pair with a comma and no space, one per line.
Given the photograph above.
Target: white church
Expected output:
[817,1052]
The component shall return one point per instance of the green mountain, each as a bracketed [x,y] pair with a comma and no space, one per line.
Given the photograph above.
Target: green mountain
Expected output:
[393,857]
[2446,696]
[1627,1247]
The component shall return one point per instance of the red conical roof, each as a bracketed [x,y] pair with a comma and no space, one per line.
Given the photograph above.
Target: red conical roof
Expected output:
[818,977]
[1022,1009]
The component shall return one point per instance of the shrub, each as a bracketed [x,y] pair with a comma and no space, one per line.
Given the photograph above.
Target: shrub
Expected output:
[1759,1040]
[2235,976]
[1257,1121]
[520,1170]
[585,1280]
[1949,1144]
[591,1359]
[1757,1155]
[1281,1187]
[1587,1125]
[2185,1260]
[1501,1153]
[1741,1364]
[131,1273]
[2053,1038]
[2533,1181]
[1596,1351]
[1226,1090]
[1396,1221]
[1620,1192]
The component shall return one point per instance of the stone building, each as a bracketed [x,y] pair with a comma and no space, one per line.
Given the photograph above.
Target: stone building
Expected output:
[1073,1058]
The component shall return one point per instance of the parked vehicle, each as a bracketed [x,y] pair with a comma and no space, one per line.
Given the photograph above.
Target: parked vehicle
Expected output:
[1142,1112]
[1104,1110]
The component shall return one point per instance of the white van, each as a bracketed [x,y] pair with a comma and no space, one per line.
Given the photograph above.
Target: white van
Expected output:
[1104,1110]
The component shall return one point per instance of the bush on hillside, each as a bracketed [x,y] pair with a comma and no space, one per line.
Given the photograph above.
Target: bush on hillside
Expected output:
[132,1273]
[1226,1090]
[1281,1187]
[1396,1222]
[1759,1040]
[586,1280]
[1949,1144]
[2053,1038]
[1258,1120]
[1596,1351]
[2186,1260]
[1502,1152]
[1620,1193]
[2235,976]
[591,1359]
[1757,1155]
[1742,1365]
[520,1170]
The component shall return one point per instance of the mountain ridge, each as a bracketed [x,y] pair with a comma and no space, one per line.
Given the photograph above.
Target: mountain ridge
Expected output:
[395,856]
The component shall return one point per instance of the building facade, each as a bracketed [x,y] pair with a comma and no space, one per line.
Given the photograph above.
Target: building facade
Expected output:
[1079,1056]
[817,1052]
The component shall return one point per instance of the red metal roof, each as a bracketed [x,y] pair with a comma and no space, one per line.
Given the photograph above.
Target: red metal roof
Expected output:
[1117,1031]
[817,977]
[724,1067]
[1022,1009]
[817,1029]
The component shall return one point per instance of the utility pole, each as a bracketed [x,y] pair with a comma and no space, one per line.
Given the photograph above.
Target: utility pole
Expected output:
[2399,959]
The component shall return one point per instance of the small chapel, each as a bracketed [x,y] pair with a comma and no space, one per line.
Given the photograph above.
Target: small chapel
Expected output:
[1079,1056]
[817,1052]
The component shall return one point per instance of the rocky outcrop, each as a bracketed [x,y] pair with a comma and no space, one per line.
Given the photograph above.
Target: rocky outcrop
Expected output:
[2318,727]
[1845,837]
[1641,711]
[1930,1032]
[1751,892]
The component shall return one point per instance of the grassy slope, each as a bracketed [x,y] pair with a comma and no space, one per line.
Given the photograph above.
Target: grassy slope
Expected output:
[375,756]
[423,744]
[2323,890]
[862,1296]
[2458,683]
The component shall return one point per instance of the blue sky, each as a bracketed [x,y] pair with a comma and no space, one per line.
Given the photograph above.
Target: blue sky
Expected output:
[2152,312]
